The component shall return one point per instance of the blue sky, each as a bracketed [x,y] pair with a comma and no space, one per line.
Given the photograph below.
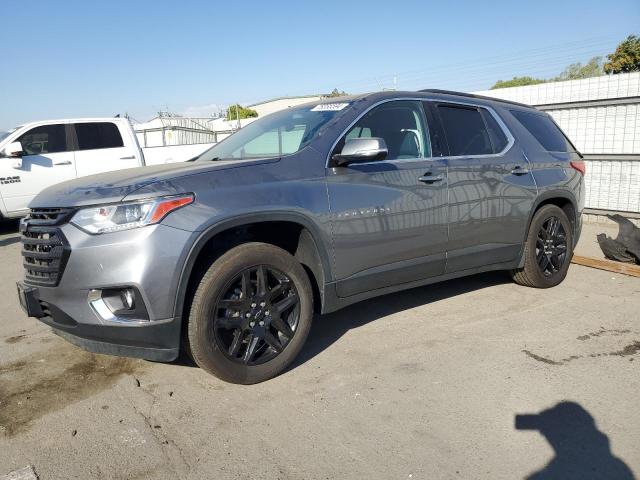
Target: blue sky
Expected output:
[79,58]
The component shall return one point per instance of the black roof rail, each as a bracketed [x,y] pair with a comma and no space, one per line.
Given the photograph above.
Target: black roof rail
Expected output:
[472,95]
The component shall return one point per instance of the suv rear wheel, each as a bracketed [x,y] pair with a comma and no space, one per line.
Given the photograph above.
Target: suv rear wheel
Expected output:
[251,314]
[548,249]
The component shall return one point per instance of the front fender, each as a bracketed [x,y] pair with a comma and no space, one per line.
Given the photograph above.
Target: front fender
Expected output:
[319,238]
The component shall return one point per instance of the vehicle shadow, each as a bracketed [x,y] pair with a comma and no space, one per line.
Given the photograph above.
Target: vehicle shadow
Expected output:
[328,329]
[581,450]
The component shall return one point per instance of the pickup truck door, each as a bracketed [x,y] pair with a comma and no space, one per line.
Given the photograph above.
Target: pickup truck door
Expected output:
[104,146]
[389,217]
[491,188]
[48,160]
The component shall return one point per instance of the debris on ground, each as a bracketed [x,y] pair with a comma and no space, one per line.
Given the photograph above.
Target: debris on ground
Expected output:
[626,246]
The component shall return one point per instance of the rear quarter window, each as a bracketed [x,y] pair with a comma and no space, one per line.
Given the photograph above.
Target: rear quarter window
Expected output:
[92,136]
[544,130]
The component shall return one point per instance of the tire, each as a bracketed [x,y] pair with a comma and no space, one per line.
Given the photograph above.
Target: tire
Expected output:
[533,274]
[241,344]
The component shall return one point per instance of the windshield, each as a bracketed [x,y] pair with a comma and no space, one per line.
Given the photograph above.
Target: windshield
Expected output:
[281,133]
[3,135]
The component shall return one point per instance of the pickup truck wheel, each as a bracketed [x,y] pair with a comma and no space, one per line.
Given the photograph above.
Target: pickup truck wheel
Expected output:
[548,249]
[251,314]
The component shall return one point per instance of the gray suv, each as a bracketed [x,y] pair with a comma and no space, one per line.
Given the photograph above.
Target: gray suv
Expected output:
[304,211]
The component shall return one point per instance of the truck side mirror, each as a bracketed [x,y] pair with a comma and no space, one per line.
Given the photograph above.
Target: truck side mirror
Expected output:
[13,150]
[360,150]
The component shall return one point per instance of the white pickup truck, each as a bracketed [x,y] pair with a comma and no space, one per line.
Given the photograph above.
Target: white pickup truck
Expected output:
[39,154]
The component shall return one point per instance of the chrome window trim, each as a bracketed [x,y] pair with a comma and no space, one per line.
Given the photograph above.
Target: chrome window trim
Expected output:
[510,138]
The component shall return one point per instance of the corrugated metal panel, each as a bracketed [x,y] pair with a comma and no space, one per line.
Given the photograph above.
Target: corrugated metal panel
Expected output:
[614,129]
[613,185]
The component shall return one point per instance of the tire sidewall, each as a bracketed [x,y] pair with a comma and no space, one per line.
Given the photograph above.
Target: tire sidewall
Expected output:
[205,349]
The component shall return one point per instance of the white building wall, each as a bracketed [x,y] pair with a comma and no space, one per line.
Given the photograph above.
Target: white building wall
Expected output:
[596,88]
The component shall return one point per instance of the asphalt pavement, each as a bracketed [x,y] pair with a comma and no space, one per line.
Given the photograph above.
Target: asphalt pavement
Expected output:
[473,378]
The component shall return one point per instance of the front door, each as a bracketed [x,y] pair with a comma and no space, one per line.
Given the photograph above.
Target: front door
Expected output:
[491,190]
[47,161]
[389,217]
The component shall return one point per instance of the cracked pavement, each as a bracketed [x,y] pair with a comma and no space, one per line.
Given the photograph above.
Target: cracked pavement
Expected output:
[422,384]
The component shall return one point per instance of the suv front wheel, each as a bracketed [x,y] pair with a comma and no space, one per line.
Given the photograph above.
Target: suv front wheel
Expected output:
[547,250]
[251,314]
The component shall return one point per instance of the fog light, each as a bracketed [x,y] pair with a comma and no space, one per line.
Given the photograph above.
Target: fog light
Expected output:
[118,304]
[128,298]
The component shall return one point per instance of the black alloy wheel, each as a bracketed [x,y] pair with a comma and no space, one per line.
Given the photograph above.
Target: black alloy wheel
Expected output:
[548,249]
[551,246]
[256,316]
[250,314]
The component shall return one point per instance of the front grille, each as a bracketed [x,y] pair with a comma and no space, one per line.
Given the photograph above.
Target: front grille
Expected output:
[49,216]
[44,248]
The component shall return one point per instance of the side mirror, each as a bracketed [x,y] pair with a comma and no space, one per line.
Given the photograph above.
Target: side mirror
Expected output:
[359,150]
[13,150]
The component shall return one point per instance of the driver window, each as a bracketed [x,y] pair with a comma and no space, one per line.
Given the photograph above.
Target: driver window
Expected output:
[401,124]
[44,139]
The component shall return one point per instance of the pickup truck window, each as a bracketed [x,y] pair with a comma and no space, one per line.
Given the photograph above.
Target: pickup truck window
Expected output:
[92,136]
[44,139]
[281,133]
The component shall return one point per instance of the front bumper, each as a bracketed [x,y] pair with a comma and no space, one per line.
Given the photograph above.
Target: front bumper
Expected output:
[158,341]
[148,259]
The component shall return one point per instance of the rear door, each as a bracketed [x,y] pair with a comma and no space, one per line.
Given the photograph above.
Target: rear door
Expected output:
[101,147]
[388,217]
[48,160]
[491,188]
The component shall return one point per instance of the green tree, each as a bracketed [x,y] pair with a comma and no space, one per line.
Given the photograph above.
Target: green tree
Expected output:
[238,111]
[517,82]
[336,93]
[576,71]
[626,58]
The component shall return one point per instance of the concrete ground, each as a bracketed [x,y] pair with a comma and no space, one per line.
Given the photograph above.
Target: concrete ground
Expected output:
[428,383]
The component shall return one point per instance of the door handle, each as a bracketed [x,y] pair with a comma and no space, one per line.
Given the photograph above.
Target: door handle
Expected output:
[63,162]
[429,178]
[130,157]
[518,170]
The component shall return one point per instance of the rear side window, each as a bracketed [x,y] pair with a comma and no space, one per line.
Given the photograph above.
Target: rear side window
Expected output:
[545,131]
[465,131]
[496,134]
[92,136]
[44,139]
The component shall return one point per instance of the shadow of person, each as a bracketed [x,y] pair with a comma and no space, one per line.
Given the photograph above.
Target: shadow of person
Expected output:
[581,450]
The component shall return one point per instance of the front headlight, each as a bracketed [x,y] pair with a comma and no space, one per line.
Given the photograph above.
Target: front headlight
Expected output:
[125,216]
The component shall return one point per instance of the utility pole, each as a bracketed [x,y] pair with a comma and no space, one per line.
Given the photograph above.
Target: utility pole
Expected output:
[238,115]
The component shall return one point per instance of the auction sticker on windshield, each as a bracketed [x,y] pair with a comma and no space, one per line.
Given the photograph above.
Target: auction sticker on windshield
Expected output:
[329,107]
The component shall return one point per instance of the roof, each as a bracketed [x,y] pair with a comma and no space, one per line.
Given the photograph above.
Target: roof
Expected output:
[472,95]
[426,93]
[72,120]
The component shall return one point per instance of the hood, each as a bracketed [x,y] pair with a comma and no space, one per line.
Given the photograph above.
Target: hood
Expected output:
[113,186]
